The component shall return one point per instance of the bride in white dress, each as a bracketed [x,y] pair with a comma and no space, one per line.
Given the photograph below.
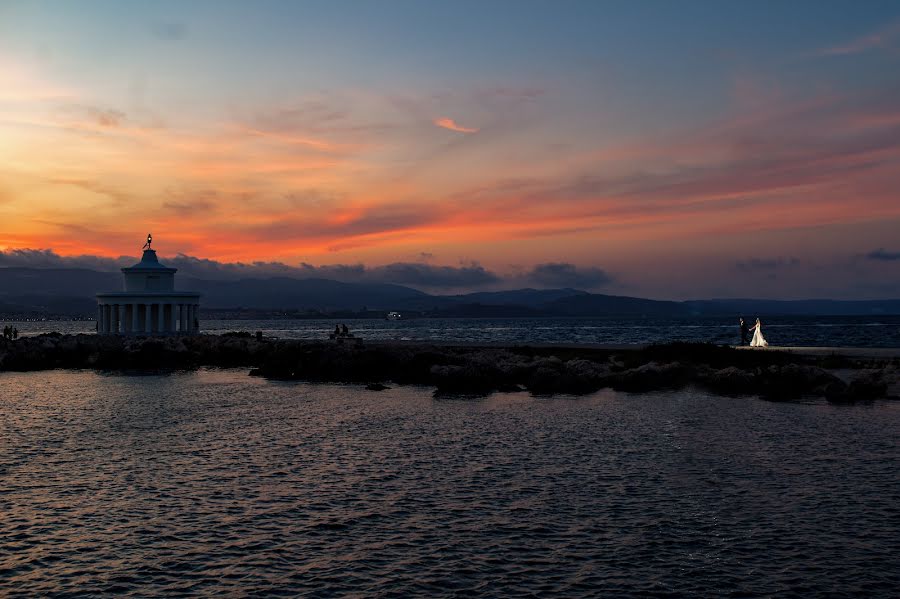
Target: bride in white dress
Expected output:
[758,339]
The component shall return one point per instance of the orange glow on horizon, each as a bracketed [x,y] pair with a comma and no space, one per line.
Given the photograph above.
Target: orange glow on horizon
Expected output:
[79,177]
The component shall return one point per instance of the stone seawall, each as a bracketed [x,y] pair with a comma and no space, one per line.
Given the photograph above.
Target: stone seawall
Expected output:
[467,370]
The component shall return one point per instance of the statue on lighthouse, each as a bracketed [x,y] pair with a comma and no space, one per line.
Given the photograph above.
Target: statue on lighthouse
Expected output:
[149,241]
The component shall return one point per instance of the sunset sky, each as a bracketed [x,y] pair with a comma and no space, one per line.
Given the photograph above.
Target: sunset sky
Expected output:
[663,149]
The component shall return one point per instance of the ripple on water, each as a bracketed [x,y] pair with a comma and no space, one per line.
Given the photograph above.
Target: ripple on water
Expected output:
[215,482]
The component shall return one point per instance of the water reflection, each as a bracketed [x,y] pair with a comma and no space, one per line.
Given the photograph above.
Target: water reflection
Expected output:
[215,482]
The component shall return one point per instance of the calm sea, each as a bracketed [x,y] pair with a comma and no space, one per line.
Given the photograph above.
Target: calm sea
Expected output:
[214,482]
[883,331]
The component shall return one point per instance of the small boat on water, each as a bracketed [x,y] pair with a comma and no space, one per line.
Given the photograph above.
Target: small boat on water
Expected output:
[393,316]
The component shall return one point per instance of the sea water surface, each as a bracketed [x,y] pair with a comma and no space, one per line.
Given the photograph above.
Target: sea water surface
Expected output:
[842,331]
[213,482]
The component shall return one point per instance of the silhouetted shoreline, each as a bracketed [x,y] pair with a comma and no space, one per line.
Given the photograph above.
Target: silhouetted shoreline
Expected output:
[472,369]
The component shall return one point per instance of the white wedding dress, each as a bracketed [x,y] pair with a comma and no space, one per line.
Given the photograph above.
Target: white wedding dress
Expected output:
[758,339]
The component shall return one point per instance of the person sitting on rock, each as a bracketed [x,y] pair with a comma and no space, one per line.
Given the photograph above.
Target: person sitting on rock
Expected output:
[6,332]
[15,333]
[337,330]
[345,330]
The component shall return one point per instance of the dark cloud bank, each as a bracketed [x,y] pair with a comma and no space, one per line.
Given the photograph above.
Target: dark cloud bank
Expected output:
[413,274]
[883,255]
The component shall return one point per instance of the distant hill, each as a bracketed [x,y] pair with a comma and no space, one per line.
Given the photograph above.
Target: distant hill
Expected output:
[65,291]
[601,305]
[532,298]
[63,305]
[284,292]
[75,282]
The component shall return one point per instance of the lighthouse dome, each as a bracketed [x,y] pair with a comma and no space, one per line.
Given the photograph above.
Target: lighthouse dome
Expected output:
[149,275]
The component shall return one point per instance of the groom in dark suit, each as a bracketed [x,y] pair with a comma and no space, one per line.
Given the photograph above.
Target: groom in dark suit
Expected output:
[745,331]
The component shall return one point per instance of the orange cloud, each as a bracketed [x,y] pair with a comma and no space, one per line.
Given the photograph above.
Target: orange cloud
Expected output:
[323,184]
[448,123]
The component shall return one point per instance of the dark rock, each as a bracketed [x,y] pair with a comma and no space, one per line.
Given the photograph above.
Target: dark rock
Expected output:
[471,371]
[377,387]
[867,387]
[544,380]
[835,391]
[729,381]
[475,379]
[652,376]
[510,388]
[574,377]
[793,381]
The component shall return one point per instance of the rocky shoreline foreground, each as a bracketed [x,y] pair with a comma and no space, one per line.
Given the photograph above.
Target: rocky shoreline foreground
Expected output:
[476,370]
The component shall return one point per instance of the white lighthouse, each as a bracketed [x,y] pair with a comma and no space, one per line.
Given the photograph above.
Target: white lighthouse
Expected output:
[149,305]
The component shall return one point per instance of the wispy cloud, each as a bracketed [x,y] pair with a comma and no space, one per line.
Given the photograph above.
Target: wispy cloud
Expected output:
[318,144]
[448,123]
[21,84]
[118,196]
[192,208]
[98,116]
[882,38]
[169,31]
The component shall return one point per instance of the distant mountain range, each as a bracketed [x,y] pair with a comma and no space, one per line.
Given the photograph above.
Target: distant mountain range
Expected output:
[69,291]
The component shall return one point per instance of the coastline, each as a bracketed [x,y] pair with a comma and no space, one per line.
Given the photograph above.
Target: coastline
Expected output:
[837,374]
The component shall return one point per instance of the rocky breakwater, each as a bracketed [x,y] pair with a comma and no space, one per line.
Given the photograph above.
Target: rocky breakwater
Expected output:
[474,370]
